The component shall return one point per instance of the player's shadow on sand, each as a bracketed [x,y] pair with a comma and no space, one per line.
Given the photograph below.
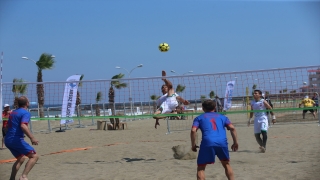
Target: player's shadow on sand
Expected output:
[137,159]
[245,151]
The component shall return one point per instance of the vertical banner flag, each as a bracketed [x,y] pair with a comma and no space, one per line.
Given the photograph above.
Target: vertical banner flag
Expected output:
[228,95]
[69,99]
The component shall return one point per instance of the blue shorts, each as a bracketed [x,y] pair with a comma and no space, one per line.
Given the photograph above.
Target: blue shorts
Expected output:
[19,148]
[207,155]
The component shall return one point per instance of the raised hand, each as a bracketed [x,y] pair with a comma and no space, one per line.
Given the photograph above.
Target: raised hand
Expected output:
[164,74]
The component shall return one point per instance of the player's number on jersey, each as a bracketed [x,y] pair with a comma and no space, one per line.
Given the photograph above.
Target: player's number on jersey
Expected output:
[214,125]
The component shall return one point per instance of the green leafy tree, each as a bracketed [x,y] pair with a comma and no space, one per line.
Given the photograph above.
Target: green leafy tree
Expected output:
[180,88]
[18,89]
[98,99]
[203,97]
[254,87]
[211,94]
[78,100]
[154,99]
[46,61]
[285,95]
[115,83]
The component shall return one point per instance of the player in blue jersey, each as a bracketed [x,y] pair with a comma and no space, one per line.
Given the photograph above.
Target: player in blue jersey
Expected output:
[260,119]
[214,139]
[14,140]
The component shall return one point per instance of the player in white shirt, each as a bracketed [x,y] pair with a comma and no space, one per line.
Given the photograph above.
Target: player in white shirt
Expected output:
[168,101]
[260,119]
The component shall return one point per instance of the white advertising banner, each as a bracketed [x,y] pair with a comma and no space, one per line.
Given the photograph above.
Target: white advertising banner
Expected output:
[228,95]
[69,99]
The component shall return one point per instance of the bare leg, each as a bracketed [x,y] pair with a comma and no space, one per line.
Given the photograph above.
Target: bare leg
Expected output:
[200,173]
[228,170]
[157,123]
[314,115]
[33,158]
[303,115]
[16,166]
[258,138]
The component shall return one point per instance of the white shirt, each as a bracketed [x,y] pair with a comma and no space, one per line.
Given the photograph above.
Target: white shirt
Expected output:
[163,98]
[259,105]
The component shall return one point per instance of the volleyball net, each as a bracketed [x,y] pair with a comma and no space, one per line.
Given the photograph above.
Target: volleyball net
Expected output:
[135,98]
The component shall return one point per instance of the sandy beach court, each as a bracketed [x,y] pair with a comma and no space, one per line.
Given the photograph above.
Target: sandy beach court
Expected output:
[142,152]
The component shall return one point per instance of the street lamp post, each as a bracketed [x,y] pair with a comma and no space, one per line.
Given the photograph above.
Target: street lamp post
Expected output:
[129,73]
[26,58]
[173,71]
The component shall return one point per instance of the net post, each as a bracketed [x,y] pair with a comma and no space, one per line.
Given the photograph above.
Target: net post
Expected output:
[49,127]
[79,117]
[30,123]
[92,121]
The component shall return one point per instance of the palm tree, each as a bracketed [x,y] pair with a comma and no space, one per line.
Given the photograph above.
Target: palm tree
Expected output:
[203,97]
[286,95]
[98,99]
[115,82]
[180,88]
[211,94]
[78,100]
[154,98]
[46,61]
[254,87]
[18,88]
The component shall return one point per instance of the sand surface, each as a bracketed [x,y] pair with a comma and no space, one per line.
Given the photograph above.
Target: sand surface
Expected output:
[142,152]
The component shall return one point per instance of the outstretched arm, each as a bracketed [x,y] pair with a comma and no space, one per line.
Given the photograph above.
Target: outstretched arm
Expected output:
[168,83]
[180,99]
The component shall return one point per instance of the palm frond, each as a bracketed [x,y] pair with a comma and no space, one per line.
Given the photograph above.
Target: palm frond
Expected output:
[80,81]
[46,61]
[153,97]
[211,94]
[99,96]
[19,87]
[180,88]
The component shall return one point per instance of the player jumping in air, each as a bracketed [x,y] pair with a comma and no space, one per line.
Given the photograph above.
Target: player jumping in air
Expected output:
[168,101]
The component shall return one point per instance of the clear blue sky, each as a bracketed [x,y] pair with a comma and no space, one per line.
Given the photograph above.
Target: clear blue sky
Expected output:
[91,37]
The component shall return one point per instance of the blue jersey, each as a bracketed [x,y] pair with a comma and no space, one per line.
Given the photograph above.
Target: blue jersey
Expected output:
[16,118]
[213,129]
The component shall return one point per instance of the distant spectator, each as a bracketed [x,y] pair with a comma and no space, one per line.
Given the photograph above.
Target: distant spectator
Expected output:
[266,97]
[5,116]
[218,104]
[316,100]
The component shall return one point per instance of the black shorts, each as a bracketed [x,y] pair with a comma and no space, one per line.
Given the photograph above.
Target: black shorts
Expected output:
[311,110]
[4,131]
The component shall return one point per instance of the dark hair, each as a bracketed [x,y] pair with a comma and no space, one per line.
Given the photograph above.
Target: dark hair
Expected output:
[22,101]
[257,90]
[208,105]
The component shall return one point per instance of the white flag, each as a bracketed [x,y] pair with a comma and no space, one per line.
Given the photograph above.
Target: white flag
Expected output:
[69,99]
[228,95]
